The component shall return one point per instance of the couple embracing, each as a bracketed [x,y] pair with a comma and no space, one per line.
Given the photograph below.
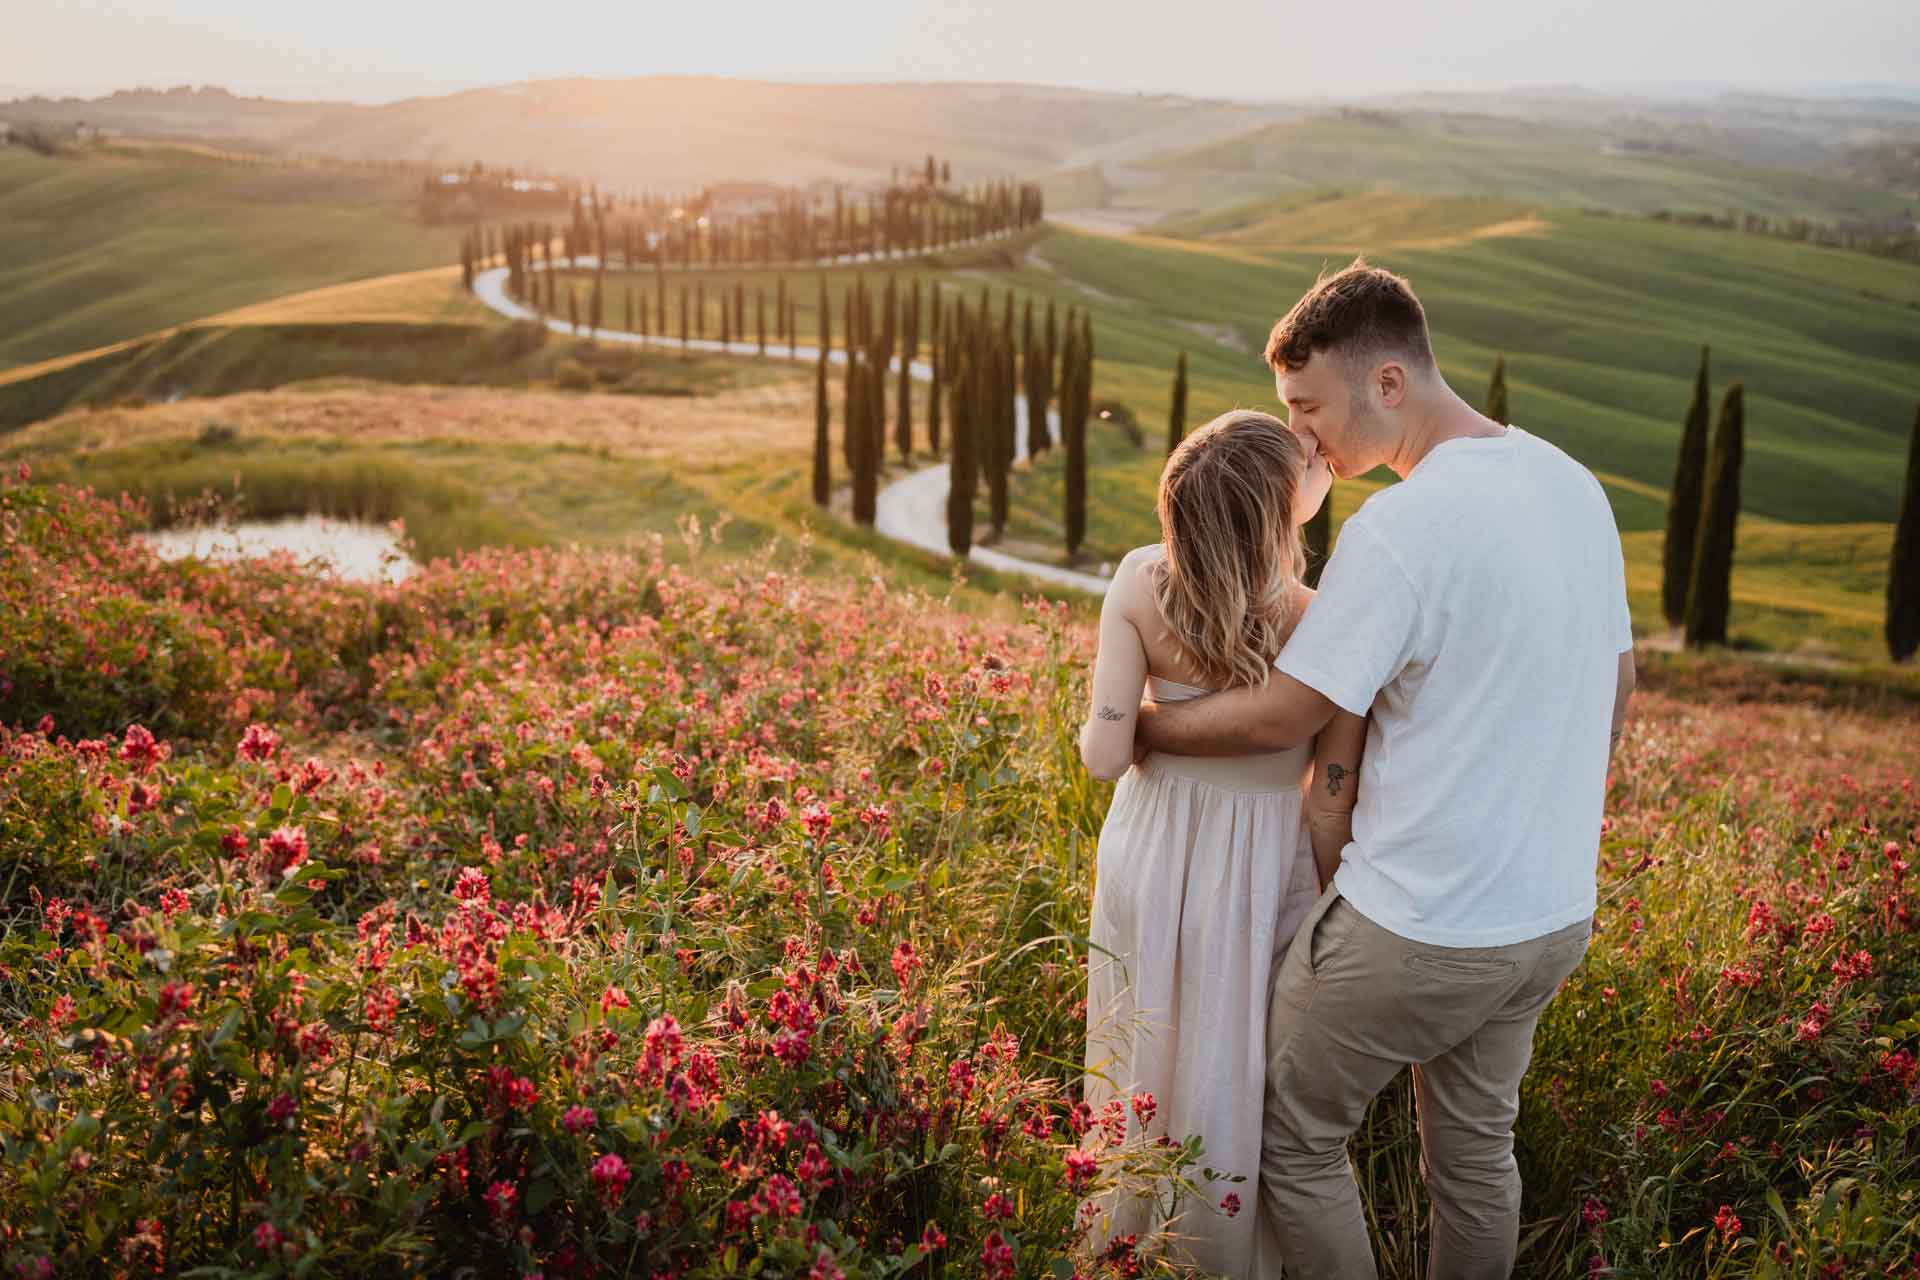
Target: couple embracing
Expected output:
[1355,831]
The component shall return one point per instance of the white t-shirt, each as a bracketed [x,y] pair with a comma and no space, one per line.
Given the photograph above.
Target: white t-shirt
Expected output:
[1478,608]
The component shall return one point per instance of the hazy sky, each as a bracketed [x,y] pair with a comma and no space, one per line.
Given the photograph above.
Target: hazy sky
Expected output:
[1262,48]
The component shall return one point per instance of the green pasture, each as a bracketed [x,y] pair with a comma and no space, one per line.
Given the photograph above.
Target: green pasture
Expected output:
[102,246]
[1483,156]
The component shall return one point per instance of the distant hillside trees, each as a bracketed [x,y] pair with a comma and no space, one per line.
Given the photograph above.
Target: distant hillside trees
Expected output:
[1709,594]
[1683,501]
[1903,580]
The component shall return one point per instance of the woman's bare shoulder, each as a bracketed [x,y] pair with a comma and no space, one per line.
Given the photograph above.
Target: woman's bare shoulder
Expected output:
[1299,596]
[1132,584]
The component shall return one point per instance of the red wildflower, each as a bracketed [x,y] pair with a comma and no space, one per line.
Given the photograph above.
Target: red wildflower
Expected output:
[1144,1108]
[258,743]
[142,750]
[610,1177]
[1081,1167]
[996,1257]
[1727,1222]
[1230,1204]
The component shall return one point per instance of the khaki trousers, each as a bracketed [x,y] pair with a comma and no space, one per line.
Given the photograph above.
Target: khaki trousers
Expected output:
[1352,1004]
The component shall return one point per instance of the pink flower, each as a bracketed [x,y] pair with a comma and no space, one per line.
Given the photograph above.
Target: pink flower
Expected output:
[267,1237]
[1144,1108]
[258,743]
[824,1268]
[500,1199]
[997,1208]
[610,1177]
[1593,1213]
[932,1237]
[905,961]
[286,849]
[996,1257]
[1081,1167]
[1230,1204]
[818,820]
[1727,1222]
[142,750]
[578,1119]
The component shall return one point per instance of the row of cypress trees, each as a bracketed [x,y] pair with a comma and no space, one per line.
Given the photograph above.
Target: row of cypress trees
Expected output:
[904,218]
[1703,509]
[979,375]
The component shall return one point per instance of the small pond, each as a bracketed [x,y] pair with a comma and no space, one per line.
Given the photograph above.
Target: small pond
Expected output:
[348,548]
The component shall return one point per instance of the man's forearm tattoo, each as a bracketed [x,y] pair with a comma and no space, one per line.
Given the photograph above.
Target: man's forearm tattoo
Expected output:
[1335,773]
[1108,713]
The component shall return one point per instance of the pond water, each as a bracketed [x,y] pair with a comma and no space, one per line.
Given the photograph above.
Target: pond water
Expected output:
[347,548]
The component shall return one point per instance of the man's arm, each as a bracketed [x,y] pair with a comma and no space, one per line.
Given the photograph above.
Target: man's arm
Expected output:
[1334,790]
[1280,714]
[1624,682]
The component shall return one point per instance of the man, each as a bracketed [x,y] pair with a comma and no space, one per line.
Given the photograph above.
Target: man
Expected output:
[1478,610]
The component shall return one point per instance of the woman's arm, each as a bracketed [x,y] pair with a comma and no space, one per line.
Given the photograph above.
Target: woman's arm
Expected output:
[1119,678]
[1335,787]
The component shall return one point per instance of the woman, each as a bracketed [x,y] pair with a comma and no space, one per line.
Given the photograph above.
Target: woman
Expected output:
[1206,867]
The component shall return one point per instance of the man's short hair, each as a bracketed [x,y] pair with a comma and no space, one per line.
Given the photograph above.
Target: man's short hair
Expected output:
[1361,314]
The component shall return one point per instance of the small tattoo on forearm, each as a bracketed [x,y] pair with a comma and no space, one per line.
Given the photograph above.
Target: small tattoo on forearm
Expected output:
[1108,713]
[1335,773]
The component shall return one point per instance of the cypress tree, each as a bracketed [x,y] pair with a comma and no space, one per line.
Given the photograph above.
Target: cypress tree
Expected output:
[683,317]
[859,430]
[1177,418]
[1903,581]
[629,324]
[825,336]
[1709,594]
[851,322]
[909,344]
[993,392]
[660,307]
[963,476]
[740,309]
[793,327]
[780,311]
[700,309]
[935,387]
[1683,502]
[1074,429]
[760,316]
[1317,534]
[726,324]
[1038,437]
[573,308]
[1497,391]
[822,463]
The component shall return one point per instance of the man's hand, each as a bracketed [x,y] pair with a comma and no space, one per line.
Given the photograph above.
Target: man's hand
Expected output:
[1141,748]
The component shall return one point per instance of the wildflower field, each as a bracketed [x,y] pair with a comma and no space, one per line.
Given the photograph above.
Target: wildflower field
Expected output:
[569,913]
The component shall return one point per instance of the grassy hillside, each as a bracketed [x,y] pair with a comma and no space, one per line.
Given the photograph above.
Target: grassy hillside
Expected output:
[1600,321]
[104,246]
[1468,155]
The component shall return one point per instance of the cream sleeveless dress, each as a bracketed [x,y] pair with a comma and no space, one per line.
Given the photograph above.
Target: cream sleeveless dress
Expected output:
[1205,873]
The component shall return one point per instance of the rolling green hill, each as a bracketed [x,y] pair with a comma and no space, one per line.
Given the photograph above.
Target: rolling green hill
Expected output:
[106,245]
[1482,156]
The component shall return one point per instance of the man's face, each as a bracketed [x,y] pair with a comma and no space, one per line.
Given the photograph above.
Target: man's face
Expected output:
[1328,416]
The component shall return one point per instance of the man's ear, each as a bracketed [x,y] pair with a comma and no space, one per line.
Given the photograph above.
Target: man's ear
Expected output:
[1391,379]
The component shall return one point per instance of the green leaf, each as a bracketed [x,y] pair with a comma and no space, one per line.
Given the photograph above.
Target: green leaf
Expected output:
[282,797]
[540,1194]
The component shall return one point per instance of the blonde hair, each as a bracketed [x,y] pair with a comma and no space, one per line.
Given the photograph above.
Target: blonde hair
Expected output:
[1233,555]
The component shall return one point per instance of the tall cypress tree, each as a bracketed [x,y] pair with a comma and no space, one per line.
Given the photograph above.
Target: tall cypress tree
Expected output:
[1177,416]
[1317,534]
[909,344]
[700,309]
[822,462]
[573,308]
[936,385]
[1074,428]
[780,310]
[1683,502]
[1497,391]
[684,322]
[1709,595]
[998,399]
[963,476]
[1903,581]
[825,313]
[860,429]
[760,316]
